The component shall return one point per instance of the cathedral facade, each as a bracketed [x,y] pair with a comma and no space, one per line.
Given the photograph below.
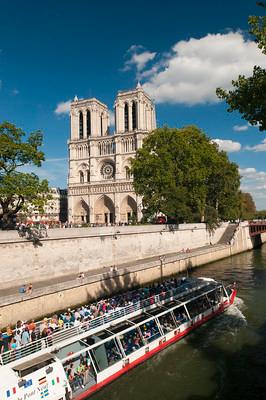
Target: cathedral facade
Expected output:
[100,187]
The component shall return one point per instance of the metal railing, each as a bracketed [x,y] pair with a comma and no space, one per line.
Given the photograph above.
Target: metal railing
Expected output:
[65,336]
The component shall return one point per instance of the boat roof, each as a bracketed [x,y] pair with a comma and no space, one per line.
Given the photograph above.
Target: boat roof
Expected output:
[35,361]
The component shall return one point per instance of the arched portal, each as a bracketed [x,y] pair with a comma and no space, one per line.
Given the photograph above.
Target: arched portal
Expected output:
[104,211]
[128,210]
[81,211]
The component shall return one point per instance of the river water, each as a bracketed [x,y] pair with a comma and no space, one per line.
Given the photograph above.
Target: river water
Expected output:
[224,359]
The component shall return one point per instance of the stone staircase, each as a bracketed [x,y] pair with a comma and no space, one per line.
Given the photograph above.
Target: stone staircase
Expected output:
[228,234]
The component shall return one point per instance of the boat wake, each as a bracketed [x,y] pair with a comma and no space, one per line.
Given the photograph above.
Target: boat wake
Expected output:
[235,311]
[239,303]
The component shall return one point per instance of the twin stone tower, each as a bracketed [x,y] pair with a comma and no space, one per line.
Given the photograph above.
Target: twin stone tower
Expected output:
[100,188]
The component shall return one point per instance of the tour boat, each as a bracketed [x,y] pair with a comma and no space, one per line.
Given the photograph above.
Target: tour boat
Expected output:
[76,362]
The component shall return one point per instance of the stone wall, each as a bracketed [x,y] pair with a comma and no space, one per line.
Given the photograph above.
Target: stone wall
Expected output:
[52,299]
[61,297]
[69,251]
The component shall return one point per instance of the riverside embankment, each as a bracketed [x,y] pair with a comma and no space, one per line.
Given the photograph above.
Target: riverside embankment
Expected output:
[54,264]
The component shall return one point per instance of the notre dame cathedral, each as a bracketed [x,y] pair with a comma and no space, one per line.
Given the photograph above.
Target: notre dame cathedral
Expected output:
[100,188]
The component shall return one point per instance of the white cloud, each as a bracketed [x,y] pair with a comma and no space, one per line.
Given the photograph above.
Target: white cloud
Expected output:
[228,145]
[63,107]
[247,171]
[240,128]
[258,147]
[196,67]
[254,182]
[139,58]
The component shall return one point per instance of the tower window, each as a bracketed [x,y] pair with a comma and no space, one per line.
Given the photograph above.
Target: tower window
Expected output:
[81,125]
[128,174]
[126,117]
[134,115]
[88,123]
[88,176]
[81,177]
[101,124]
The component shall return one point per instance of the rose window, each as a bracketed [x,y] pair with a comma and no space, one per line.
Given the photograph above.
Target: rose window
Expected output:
[107,171]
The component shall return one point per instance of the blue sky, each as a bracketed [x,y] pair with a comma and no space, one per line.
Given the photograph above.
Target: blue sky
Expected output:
[180,51]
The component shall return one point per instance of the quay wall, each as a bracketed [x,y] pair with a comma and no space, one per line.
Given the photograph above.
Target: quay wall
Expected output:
[60,296]
[70,251]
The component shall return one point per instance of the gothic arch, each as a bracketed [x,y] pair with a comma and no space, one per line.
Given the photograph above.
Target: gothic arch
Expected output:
[81,177]
[81,211]
[81,132]
[134,115]
[126,168]
[128,209]
[88,123]
[104,210]
[126,117]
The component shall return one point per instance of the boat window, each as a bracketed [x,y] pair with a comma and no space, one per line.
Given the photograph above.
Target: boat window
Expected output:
[228,291]
[167,322]
[156,311]
[119,327]
[150,331]
[170,305]
[180,315]
[71,349]
[79,371]
[198,306]
[106,354]
[215,296]
[131,341]
[138,319]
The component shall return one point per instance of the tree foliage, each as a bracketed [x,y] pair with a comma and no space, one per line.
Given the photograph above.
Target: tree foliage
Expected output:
[260,214]
[182,174]
[18,189]
[248,207]
[248,94]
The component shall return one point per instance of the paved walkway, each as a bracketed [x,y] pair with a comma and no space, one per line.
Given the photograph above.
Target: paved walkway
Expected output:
[47,286]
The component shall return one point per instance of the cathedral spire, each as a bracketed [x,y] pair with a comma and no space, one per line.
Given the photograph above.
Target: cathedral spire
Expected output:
[138,85]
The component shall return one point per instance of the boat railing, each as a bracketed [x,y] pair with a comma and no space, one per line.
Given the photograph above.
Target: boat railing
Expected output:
[63,335]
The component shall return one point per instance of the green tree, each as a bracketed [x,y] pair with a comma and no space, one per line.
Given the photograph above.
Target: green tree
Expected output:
[18,189]
[182,174]
[260,214]
[248,207]
[248,94]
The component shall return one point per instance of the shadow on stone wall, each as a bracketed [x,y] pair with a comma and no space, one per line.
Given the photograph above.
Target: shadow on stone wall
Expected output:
[113,282]
[256,241]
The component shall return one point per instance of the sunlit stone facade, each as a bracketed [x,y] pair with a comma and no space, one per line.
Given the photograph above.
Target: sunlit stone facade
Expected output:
[100,189]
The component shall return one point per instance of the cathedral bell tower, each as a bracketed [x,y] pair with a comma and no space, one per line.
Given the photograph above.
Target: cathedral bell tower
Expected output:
[134,111]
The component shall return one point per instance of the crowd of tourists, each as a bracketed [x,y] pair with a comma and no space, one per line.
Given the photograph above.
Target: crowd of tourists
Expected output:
[25,332]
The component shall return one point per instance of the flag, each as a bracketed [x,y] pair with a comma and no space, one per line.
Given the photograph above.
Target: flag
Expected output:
[42,380]
[44,393]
